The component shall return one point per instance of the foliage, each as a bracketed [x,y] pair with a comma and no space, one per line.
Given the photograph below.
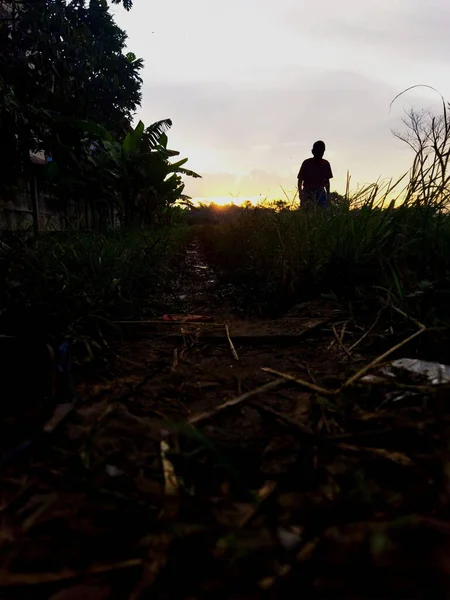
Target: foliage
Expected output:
[146,179]
[132,174]
[61,61]
[70,282]
[127,4]
[70,91]
[279,258]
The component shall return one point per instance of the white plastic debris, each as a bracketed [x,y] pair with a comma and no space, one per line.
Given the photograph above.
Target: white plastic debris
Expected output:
[434,372]
[113,471]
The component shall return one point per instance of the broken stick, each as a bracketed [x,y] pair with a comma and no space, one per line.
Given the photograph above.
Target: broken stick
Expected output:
[195,419]
[310,386]
[233,349]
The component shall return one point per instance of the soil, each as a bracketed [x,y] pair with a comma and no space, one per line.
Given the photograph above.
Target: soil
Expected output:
[154,487]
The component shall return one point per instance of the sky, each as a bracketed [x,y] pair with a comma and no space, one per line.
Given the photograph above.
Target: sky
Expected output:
[251,84]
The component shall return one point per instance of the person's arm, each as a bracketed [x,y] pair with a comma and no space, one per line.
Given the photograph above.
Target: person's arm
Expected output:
[327,181]
[301,181]
[301,193]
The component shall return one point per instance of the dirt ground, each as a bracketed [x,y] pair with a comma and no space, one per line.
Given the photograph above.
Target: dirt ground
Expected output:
[229,459]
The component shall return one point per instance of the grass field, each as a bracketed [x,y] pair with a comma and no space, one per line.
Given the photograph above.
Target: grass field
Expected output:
[367,250]
[70,284]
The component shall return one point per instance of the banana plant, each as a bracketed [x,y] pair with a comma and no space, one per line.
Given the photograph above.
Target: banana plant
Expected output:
[145,181]
[134,174]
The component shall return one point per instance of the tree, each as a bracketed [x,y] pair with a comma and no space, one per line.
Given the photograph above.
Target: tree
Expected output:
[61,60]
[70,91]
[428,136]
[127,4]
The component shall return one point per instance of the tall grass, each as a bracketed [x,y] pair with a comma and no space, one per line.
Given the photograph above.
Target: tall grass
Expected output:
[70,282]
[390,238]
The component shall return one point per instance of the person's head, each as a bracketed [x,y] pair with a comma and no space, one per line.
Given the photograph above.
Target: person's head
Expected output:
[318,149]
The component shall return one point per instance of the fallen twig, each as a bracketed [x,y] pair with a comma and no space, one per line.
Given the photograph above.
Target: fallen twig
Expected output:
[19,579]
[261,496]
[171,505]
[339,341]
[284,418]
[195,419]
[363,337]
[396,457]
[311,386]
[171,483]
[162,322]
[354,378]
[233,349]
[403,314]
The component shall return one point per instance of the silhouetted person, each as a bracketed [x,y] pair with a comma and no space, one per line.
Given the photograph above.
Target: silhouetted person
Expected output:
[314,179]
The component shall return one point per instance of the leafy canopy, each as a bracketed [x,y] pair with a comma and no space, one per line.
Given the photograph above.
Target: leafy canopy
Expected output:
[61,60]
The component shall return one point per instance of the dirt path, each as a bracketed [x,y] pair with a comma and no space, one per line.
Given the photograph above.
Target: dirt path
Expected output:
[269,498]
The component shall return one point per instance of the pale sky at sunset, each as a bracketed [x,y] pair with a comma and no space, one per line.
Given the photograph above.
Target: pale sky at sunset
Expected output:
[251,84]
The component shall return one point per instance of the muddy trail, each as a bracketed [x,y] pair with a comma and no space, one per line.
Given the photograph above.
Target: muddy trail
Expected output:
[234,458]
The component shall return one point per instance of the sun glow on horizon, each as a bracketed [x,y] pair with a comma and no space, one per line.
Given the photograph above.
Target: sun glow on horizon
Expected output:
[227,200]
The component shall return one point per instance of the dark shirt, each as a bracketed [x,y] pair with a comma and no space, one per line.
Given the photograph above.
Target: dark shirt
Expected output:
[315,173]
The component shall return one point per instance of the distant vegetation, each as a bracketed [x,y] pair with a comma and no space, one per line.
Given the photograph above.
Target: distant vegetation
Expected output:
[214,213]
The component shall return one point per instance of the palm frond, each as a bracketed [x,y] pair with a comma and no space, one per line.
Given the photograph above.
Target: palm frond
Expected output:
[189,173]
[156,130]
[127,4]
